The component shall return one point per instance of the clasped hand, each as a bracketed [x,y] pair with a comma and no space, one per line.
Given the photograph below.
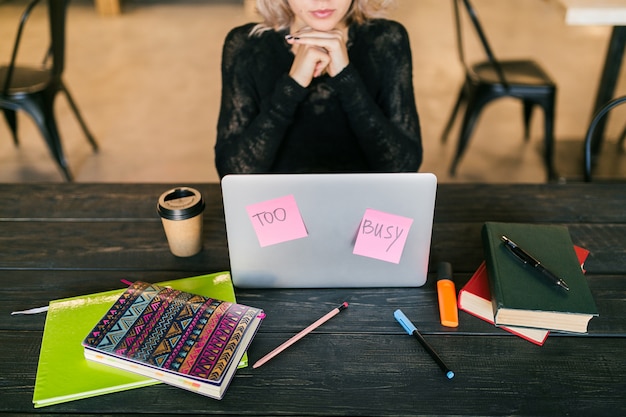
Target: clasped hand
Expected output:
[317,53]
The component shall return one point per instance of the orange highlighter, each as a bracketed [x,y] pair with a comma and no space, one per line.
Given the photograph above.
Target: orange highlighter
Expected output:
[446,293]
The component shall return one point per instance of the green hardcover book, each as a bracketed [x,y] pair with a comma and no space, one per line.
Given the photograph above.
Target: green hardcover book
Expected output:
[521,294]
[63,373]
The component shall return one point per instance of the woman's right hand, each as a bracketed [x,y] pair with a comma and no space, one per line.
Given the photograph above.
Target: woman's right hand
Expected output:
[310,62]
[317,53]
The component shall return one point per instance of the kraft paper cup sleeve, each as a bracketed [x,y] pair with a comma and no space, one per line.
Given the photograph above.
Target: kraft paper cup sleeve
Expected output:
[181,210]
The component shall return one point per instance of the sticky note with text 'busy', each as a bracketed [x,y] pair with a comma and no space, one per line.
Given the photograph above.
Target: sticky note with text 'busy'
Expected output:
[382,236]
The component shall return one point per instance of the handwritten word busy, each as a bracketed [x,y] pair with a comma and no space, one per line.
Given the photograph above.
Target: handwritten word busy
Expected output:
[382,231]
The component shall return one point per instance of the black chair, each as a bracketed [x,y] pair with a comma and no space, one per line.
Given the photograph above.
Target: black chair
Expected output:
[492,79]
[587,160]
[622,138]
[33,89]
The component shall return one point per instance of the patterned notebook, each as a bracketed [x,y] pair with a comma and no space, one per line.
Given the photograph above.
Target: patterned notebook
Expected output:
[186,340]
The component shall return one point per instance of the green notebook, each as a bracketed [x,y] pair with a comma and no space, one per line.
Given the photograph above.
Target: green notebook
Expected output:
[521,295]
[63,373]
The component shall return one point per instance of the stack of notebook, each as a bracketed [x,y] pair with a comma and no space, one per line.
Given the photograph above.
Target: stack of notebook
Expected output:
[517,296]
[144,335]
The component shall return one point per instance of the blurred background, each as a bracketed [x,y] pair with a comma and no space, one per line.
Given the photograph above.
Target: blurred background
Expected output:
[147,82]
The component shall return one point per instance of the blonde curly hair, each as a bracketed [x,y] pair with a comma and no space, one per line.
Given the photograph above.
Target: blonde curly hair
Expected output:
[277,15]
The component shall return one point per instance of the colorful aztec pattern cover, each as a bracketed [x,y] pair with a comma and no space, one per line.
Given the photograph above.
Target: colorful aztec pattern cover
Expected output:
[175,331]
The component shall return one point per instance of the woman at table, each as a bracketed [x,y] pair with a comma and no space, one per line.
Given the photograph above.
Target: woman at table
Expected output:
[318,86]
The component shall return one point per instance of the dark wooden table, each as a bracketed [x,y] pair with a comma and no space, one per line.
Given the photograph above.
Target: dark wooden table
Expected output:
[61,240]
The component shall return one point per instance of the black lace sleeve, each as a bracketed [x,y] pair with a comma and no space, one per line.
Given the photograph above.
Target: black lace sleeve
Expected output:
[250,129]
[387,126]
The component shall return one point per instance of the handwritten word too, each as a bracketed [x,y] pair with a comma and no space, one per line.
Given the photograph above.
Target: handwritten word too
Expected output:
[268,217]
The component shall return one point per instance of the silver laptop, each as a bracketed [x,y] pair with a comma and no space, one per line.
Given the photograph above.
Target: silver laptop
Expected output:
[329,230]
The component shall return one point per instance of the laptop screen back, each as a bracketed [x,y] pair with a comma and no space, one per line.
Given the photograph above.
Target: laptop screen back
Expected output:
[329,230]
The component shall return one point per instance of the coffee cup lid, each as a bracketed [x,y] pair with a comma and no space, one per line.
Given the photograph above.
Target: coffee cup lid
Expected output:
[180,203]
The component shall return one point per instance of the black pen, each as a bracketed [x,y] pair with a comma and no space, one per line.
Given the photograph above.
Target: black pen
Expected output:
[527,258]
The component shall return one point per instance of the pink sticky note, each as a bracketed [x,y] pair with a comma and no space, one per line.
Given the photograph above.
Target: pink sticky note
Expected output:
[277,220]
[382,236]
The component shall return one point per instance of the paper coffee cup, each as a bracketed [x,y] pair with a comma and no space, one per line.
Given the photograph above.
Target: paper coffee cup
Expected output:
[181,210]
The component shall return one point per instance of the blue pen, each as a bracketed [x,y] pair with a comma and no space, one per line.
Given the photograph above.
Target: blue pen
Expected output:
[412,330]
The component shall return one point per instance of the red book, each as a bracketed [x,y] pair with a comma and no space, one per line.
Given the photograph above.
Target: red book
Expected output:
[475,299]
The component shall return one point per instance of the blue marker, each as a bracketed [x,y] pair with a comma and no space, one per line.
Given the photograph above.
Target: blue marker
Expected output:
[412,330]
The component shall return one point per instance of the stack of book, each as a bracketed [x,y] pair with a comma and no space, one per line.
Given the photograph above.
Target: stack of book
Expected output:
[189,333]
[517,296]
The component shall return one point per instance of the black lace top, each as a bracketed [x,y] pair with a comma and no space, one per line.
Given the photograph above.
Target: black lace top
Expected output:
[362,120]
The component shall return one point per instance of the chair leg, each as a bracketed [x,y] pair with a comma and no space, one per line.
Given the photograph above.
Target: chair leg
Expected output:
[459,101]
[43,114]
[11,119]
[620,141]
[472,112]
[549,142]
[88,134]
[528,112]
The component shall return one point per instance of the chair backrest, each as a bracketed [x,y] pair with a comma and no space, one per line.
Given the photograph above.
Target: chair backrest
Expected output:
[57,12]
[592,127]
[480,33]
[16,45]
